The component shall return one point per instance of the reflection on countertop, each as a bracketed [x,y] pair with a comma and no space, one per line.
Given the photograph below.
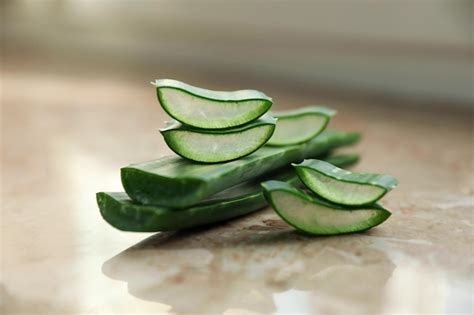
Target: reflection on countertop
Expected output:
[262,267]
[259,264]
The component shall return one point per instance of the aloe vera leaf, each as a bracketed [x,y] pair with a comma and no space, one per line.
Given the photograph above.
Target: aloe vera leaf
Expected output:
[300,125]
[214,146]
[124,214]
[313,215]
[209,109]
[178,183]
[341,186]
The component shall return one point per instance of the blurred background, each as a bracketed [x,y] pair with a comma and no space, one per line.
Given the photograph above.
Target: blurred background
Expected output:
[410,50]
[77,105]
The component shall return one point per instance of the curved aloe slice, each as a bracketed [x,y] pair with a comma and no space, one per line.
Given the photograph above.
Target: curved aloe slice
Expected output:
[297,126]
[208,109]
[213,146]
[178,183]
[124,214]
[341,186]
[315,216]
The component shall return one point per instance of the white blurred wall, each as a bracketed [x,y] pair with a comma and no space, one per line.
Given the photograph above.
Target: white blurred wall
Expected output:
[419,48]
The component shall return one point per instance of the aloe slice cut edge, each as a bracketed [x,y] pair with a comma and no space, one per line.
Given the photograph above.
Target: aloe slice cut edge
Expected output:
[316,216]
[300,125]
[213,146]
[342,186]
[210,109]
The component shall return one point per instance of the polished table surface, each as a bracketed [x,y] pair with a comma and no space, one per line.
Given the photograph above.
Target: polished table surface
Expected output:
[63,139]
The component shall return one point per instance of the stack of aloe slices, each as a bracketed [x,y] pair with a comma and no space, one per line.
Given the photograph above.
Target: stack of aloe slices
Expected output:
[214,126]
[222,158]
[339,201]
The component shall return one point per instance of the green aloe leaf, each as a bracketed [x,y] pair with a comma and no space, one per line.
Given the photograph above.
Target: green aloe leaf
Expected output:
[124,214]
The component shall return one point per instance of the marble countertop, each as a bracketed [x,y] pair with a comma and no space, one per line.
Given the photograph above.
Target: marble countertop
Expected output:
[65,139]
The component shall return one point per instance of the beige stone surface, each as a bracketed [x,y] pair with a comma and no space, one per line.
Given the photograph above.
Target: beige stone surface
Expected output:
[64,139]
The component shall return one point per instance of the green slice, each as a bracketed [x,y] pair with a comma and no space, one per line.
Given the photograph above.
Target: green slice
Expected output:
[342,186]
[213,146]
[179,183]
[124,214]
[315,216]
[300,125]
[209,109]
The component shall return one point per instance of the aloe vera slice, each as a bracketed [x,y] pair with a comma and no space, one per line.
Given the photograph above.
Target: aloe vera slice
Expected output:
[209,109]
[315,216]
[178,183]
[213,146]
[342,186]
[124,214]
[300,125]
